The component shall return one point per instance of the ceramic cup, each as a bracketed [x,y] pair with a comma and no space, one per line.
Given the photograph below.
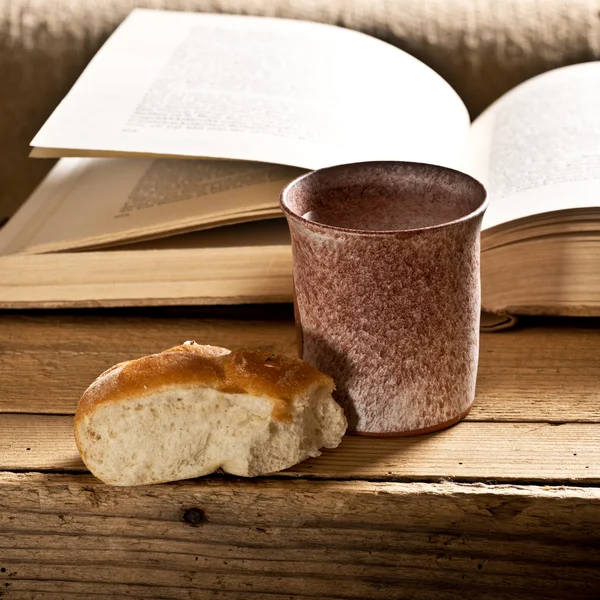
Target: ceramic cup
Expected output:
[387,290]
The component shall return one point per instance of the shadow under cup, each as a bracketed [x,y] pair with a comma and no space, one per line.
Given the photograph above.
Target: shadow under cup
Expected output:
[387,290]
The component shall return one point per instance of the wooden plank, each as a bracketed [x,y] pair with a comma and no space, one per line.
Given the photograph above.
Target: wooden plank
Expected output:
[533,374]
[466,452]
[145,331]
[71,535]
[38,442]
[545,371]
[58,356]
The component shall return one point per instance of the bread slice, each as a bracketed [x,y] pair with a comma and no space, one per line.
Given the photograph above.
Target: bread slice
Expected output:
[193,409]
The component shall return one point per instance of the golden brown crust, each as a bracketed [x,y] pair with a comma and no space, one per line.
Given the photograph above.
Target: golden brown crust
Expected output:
[202,350]
[255,372]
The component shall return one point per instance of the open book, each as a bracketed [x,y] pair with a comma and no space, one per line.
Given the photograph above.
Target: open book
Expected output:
[126,218]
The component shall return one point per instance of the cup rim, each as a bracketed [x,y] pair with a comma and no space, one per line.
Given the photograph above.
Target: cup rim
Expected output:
[384,232]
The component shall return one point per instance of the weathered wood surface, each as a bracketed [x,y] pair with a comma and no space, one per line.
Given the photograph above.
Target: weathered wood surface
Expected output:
[284,539]
[520,452]
[397,518]
[540,373]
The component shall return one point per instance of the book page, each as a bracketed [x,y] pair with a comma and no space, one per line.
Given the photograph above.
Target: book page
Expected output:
[255,88]
[537,149]
[91,202]
[271,232]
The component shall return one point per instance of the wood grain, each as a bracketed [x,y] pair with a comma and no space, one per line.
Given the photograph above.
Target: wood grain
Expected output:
[466,452]
[535,374]
[321,539]
[59,356]
[38,442]
[364,521]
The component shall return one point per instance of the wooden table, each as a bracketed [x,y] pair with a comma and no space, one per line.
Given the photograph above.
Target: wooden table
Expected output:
[504,505]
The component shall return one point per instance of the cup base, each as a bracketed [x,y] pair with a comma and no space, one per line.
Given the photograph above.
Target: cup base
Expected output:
[414,432]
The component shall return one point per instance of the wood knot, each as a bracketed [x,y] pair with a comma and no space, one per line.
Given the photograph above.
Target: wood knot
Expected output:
[194,516]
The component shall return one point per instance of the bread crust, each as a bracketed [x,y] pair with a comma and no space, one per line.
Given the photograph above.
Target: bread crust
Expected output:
[257,372]
[192,409]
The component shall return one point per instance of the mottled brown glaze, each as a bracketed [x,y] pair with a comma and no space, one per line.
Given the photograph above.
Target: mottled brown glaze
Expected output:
[388,290]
